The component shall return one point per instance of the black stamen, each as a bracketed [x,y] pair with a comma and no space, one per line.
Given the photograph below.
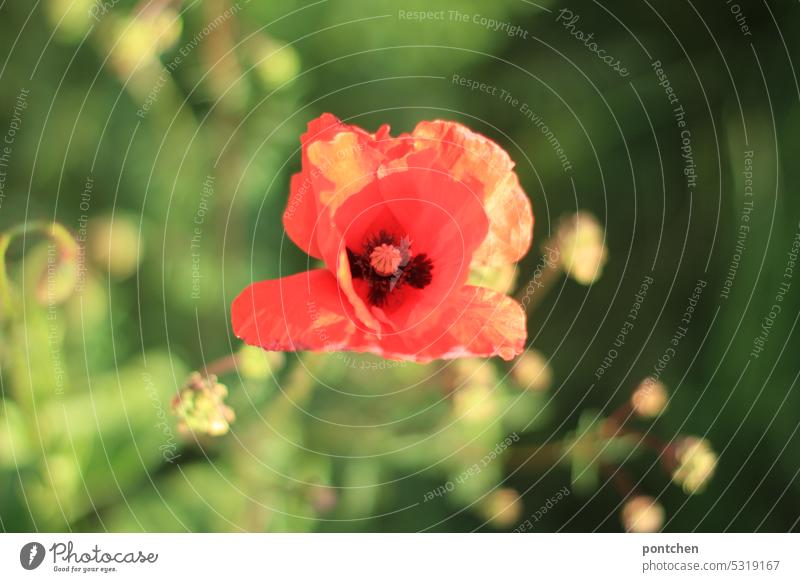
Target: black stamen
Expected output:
[378,292]
[383,238]
[356,266]
[413,270]
[418,272]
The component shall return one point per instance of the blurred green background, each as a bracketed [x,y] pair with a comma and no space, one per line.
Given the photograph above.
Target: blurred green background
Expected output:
[163,134]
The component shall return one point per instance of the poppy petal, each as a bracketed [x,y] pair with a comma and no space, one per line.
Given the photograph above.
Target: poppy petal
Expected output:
[511,225]
[299,312]
[442,219]
[300,216]
[347,163]
[476,160]
[477,322]
[337,161]
[482,322]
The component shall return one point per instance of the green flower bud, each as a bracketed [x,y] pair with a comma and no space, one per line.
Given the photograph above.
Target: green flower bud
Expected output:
[200,406]
[582,247]
[696,463]
[503,507]
[475,403]
[532,372]
[276,63]
[70,18]
[114,245]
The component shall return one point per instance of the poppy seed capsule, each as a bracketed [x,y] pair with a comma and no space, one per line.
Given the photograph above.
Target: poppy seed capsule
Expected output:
[385,259]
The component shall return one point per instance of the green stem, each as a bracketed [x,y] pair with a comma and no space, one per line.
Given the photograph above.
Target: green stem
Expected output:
[221,366]
[544,277]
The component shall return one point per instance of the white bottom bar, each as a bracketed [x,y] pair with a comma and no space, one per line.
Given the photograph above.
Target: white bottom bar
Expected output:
[400,557]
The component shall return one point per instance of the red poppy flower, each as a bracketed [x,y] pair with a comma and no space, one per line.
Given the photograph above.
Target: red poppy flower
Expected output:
[398,222]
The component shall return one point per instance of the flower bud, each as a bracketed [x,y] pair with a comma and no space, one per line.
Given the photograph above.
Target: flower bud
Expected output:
[70,18]
[200,408]
[649,399]
[473,371]
[475,403]
[276,63]
[166,27]
[532,372]
[582,245]
[503,507]
[114,245]
[696,462]
[642,514]
[135,41]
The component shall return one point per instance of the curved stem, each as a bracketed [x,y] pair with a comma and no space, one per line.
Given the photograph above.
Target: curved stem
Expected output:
[221,366]
[5,241]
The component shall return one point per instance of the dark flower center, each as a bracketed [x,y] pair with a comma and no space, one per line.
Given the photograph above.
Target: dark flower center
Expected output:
[388,264]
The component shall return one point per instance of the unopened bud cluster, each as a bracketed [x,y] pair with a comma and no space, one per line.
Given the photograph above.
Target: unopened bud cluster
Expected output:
[200,406]
[696,463]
